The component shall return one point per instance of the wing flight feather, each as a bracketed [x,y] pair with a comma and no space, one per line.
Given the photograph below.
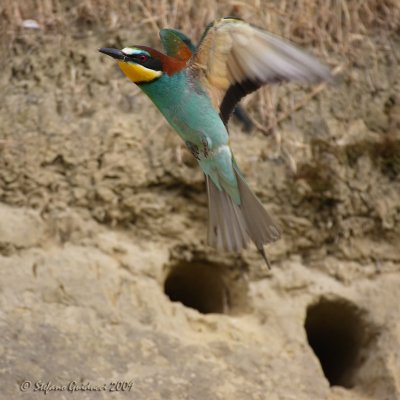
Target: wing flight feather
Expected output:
[235,58]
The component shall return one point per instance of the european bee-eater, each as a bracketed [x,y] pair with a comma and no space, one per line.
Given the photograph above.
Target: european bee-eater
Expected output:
[196,89]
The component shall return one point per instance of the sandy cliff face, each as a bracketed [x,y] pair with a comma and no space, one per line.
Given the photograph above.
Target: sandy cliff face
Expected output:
[103,227]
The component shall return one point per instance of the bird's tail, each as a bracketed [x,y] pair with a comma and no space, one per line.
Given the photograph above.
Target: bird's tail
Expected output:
[232,226]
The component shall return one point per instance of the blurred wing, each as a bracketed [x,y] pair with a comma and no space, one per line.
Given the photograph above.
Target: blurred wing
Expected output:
[176,44]
[235,58]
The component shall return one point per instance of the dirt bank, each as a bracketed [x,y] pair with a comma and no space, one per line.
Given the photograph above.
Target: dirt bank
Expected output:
[104,223]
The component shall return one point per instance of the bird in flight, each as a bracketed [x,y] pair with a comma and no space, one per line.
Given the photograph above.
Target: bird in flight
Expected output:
[197,89]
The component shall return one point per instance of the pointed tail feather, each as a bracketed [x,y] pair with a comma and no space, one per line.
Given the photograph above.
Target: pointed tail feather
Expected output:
[226,225]
[232,226]
[261,227]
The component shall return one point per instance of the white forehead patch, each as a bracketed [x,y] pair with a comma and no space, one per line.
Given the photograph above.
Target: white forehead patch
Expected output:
[131,51]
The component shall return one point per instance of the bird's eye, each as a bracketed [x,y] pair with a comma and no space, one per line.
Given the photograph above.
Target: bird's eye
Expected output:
[142,58]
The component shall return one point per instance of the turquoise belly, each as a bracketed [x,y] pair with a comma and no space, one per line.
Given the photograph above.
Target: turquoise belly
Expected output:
[189,111]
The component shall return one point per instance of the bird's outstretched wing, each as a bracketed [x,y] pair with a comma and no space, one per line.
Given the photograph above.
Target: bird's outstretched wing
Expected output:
[177,44]
[235,58]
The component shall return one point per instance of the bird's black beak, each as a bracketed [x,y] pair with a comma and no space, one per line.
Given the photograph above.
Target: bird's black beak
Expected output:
[114,53]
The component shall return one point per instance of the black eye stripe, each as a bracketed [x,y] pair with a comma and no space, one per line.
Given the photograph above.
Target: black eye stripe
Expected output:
[148,62]
[139,57]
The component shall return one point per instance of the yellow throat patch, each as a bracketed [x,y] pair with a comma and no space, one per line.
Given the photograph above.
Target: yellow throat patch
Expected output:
[137,73]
